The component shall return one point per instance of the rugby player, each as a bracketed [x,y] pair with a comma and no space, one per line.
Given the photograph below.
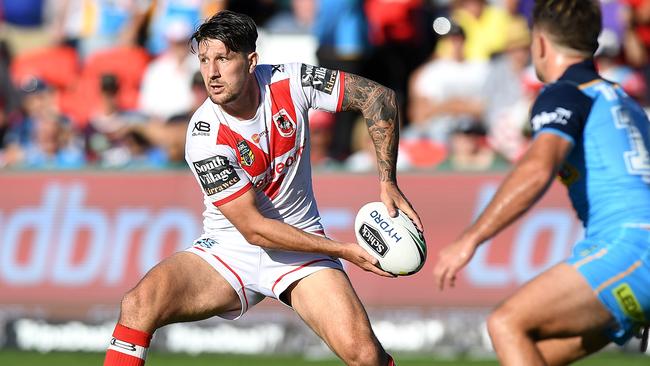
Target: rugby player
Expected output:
[248,147]
[596,138]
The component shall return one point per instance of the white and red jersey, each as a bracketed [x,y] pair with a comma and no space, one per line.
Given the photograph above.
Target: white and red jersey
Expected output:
[268,153]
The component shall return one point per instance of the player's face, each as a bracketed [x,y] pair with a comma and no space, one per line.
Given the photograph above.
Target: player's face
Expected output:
[224,72]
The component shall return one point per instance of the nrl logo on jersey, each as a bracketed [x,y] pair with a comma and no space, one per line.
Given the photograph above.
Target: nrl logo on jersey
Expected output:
[283,122]
[246,156]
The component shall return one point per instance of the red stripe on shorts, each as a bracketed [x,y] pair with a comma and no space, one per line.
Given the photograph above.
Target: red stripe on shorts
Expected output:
[301,267]
[233,272]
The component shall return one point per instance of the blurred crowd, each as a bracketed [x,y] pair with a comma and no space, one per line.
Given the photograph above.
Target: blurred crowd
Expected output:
[112,83]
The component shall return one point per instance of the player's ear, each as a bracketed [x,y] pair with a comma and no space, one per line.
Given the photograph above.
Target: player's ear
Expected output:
[252,61]
[542,45]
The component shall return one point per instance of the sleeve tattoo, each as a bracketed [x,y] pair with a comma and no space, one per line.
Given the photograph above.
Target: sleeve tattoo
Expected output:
[378,105]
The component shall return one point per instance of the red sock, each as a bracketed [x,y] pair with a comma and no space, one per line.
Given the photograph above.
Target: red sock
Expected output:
[390,361]
[128,347]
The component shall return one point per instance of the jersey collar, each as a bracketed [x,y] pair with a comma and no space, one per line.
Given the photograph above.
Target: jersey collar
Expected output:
[581,72]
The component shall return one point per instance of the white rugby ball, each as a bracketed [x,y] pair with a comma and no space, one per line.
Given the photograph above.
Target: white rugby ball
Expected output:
[394,241]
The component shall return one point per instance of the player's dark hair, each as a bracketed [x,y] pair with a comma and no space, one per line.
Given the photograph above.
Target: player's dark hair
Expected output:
[574,24]
[237,31]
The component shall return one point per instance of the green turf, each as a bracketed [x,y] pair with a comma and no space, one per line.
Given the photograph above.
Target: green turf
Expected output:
[15,358]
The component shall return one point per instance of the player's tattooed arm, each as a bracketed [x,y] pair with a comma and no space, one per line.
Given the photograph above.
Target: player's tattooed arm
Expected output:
[378,105]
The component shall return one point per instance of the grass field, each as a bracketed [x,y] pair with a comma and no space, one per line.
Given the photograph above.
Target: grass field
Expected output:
[15,358]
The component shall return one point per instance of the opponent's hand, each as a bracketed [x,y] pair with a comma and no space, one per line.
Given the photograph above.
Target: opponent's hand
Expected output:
[394,199]
[452,259]
[361,258]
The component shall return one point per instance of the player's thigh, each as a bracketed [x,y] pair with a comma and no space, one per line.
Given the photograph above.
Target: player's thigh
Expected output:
[557,303]
[326,301]
[184,287]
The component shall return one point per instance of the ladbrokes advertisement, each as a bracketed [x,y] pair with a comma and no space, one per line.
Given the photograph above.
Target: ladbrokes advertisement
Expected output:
[73,242]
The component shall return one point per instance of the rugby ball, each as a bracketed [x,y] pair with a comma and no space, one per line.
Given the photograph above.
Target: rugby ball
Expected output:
[394,241]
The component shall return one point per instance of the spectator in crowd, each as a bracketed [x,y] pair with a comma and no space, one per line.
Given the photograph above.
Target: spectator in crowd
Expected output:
[401,40]
[298,19]
[320,133]
[141,152]
[54,146]
[608,58]
[469,151]
[363,158]
[445,91]
[109,124]
[166,85]
[38,103]
[99,24]
[199,94]
[619,18]
[43,137]
[506,97]
[522,8]
[4,124]
[170,137]
[485,26]
[166,13]
[341,32]
[24,24]
[640,25]
[8,93]
[70,23]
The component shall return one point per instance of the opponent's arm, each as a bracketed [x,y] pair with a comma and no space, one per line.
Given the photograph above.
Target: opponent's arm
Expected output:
[378,105]
[242,212]
[520,190]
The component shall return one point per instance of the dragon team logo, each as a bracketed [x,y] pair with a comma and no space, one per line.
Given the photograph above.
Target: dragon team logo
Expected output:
[283,122]
[246,156]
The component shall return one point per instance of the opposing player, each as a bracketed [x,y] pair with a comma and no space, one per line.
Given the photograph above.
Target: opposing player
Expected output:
[597,138]
[248,146]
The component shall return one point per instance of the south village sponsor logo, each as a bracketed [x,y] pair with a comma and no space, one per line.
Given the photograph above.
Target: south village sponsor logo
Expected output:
[215,174]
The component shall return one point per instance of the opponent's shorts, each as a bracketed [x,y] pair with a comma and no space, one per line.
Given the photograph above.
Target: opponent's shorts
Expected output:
[254,272]
[618,270]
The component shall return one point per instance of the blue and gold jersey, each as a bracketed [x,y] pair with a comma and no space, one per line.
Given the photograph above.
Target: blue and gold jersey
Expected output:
[607,171]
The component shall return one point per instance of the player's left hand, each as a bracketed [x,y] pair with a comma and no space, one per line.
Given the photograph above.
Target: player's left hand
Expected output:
[394,199]
[452,259]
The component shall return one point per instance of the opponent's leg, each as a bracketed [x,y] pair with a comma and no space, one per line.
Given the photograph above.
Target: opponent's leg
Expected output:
[557,304]
[183,287]
[326,301]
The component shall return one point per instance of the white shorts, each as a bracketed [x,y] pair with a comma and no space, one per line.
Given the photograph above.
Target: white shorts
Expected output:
[255,272]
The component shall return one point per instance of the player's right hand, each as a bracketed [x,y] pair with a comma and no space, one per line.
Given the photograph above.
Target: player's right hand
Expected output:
[360,257]
[452,259]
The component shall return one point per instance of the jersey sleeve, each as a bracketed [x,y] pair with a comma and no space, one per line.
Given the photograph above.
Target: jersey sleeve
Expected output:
[322,87]
[219,173]
[561,109]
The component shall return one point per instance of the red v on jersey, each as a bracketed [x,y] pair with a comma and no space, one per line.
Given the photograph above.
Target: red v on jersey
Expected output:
[284,133]
[284,128]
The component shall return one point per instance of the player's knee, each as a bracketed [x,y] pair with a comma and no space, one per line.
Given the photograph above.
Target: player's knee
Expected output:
[140,305]
[500,324]
[365,353]
[133,302]
[505,322]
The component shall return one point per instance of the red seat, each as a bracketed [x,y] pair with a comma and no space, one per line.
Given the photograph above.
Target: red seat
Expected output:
[128,64]
[58,66]
[424,153]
